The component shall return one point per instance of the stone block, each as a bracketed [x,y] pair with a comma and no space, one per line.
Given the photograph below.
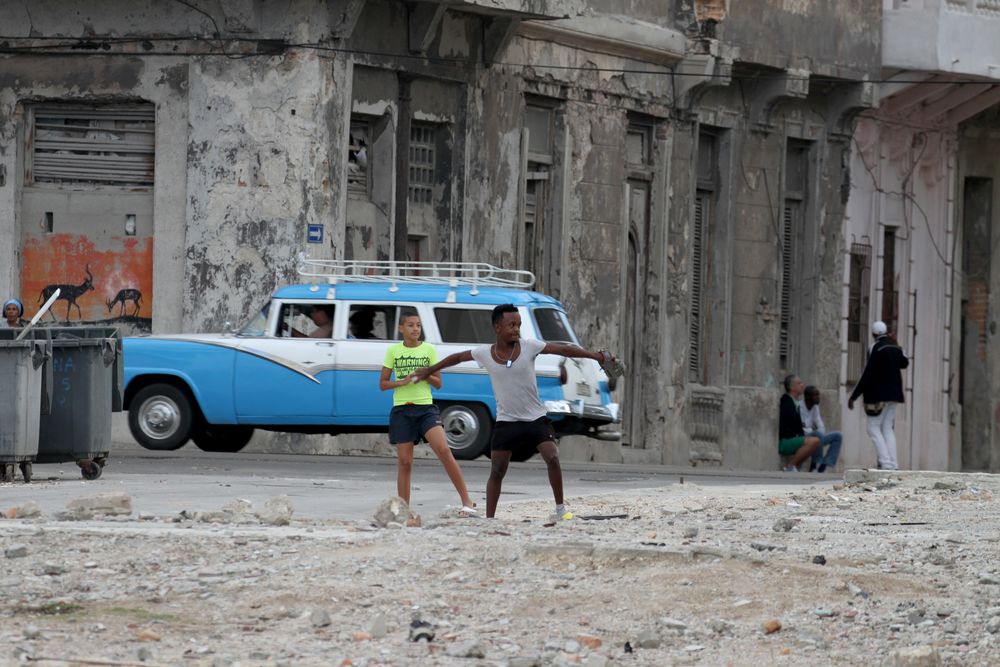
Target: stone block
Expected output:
[605,164]
[600,202]
[607,130]
[756,222]
[600,242]
[754,259]
[111,504]
[914,656]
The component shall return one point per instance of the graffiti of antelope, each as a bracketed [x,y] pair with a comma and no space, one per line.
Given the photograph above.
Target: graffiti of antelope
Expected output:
[128,294]
[68,292]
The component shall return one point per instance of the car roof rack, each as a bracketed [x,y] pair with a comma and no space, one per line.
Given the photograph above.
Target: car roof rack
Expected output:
[451,274]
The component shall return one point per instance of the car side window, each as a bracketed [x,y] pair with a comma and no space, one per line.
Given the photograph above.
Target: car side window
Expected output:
[305,320]
[465,325]
[372,322]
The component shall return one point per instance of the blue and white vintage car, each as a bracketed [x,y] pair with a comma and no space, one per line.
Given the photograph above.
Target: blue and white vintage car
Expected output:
[217,388]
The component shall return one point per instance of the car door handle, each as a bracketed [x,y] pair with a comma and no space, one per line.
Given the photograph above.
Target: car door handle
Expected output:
[325,344]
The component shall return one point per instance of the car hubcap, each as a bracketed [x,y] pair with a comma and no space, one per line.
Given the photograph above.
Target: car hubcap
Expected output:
[159,418]
[461,427]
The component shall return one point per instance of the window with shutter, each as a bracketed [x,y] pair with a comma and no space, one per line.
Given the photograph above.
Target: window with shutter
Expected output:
[789,221]
[93,144]
[858,288]
[702,202]
[890,293]
[793,233]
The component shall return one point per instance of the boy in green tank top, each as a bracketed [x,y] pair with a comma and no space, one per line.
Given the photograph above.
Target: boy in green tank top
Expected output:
[414,415]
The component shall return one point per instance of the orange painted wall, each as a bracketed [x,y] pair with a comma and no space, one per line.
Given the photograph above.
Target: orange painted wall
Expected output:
[62,258]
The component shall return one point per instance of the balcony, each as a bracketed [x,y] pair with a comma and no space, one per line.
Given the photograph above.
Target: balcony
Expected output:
[955,36]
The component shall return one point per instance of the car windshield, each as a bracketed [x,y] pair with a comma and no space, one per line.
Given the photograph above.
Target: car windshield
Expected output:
[553,327]
[257,326]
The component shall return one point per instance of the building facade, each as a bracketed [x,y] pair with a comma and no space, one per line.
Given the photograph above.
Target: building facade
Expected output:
[919,241]
[676,173]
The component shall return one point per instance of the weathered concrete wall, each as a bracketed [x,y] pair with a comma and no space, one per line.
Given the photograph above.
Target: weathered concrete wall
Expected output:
[889,157]
[964,36]
[979,145]
[734,408]
[162,81]
[232,198]
[838,38]
[264,134]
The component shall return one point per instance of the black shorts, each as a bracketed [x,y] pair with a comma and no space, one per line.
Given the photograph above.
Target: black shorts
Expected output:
[409,423]
[508,436]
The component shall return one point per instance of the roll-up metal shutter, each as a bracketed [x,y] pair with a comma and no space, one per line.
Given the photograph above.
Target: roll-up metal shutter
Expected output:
[107,144]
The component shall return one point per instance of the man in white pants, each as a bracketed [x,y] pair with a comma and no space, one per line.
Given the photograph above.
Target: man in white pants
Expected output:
[881,384]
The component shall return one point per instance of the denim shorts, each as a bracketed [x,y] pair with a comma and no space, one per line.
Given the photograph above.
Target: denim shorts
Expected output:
[409,423]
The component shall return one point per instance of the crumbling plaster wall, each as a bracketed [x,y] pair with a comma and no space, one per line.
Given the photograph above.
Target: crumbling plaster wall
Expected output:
[263,155]
[234,195]
[978,149]
[746,238]
[838,38]
[162,81]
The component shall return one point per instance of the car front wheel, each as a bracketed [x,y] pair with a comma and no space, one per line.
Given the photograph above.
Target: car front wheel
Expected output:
[160,417]
[468,429]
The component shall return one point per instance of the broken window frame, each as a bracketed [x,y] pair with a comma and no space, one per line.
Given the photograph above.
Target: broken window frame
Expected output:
[858,302]
[57,155]
[359,185]
[890,290]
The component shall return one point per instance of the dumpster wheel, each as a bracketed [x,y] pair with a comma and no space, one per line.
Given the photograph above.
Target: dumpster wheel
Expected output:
[26,471]
[91,470]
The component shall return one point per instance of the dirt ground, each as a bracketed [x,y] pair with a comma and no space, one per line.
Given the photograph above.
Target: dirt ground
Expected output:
[900,570]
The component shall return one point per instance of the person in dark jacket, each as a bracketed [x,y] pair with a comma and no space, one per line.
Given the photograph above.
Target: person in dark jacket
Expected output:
[881,385]
[792,439]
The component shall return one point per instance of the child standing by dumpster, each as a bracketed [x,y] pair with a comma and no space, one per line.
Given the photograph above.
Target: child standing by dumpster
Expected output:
[12,311]
[414,415]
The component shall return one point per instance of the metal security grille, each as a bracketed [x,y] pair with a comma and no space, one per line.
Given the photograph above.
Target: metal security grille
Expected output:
[107,144]
[858,290]
[421,163]
[701,203]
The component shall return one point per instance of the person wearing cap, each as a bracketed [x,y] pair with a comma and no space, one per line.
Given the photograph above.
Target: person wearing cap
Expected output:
[12,311]
[881,385]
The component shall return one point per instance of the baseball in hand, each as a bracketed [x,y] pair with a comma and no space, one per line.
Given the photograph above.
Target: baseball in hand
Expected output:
[414,379]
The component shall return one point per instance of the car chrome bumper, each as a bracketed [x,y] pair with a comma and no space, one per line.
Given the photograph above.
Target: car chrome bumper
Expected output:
[588,411]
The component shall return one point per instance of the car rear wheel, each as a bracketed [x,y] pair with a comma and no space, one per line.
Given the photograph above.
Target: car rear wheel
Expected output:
[221,438]
[468,429]
[161,417]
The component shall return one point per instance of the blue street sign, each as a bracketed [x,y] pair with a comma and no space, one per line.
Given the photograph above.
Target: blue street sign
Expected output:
[315,233]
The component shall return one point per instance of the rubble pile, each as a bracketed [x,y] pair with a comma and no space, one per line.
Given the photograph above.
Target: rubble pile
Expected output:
[900,569]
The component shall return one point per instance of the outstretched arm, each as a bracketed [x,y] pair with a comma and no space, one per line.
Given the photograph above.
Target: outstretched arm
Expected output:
[450,360]
[564,350]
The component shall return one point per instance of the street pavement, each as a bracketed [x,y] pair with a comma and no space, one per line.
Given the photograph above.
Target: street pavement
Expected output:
[342,487]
